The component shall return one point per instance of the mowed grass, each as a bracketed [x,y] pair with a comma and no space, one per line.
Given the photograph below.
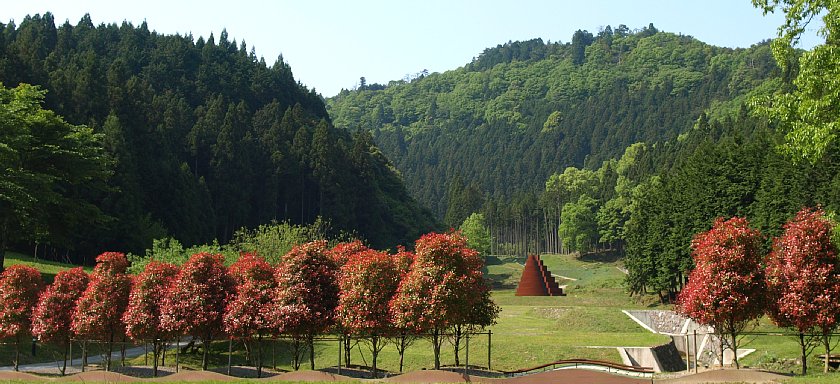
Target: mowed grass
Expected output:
[47,268]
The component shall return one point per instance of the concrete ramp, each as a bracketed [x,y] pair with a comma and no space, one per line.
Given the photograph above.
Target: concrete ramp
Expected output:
[682,330]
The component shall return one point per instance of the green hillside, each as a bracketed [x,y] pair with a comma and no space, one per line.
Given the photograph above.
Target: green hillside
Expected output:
[524,110]
[202,138]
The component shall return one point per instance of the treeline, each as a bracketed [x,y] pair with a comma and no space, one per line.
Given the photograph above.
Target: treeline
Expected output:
[203,138]
[347,290]
[523,111]
[648,204]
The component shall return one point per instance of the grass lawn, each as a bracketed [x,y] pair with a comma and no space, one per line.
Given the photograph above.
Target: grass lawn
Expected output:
[48,268]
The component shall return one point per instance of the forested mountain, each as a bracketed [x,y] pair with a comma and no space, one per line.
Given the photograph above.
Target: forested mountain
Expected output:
[204,138]
[502,124]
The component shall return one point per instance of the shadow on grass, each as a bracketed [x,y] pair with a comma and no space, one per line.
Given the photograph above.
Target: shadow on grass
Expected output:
[610,256]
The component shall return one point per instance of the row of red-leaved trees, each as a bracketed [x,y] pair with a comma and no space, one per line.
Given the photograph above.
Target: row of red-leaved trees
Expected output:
[797,284]
[359,293]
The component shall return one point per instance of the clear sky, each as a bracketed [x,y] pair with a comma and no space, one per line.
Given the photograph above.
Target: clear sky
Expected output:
[330,44]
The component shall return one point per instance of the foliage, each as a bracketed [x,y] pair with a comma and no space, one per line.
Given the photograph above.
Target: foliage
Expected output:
[808,109]
[367,283]
[170,250]
[344,252]
[148,289]
[19,290]
[50,167]
[272,241]
[307,293]
[240,140]
[443,287]
[524,110]
[99,311]
[578,226]
[248,312]
[726,289]
[53,314]
[803,278]
[143,313]
[475,230]
[195,303]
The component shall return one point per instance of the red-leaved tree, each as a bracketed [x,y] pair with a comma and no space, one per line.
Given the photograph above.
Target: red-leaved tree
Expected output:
[306,296]
[726,289]
[248,313]
[403,335]
[437,292]
[52,316]
[368,282]
[340,253]
[803,278]
[99,311]
[142,317]
[195,303]
[343,252]
[19,289]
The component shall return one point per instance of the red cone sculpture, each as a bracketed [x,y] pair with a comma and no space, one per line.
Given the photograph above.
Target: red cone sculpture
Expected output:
[537,280]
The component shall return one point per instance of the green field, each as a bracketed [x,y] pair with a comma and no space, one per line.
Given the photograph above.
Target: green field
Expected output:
[587,323]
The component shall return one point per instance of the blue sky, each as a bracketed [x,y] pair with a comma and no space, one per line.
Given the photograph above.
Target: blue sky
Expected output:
[330,44]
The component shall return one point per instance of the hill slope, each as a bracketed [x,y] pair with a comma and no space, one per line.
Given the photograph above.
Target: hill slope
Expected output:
[205,137]
[525,110]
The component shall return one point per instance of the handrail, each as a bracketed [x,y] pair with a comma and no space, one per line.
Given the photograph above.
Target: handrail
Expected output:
[577,362]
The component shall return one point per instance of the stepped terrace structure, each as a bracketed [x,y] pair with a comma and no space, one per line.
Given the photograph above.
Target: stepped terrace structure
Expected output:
[537,280]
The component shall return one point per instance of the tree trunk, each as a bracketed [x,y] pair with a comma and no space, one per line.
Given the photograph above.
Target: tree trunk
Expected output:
[259,355]
[402,347]
[347,349]
[457,343]
[17,352]
[64,364]
[155,352]
[804,354]
[108,355]
[206,350]
[735,349]
[436,342]
[826,339]
[374,342]
[310,339]
[84,355]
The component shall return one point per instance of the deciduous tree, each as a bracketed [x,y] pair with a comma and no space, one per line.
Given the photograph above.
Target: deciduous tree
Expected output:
[368,282]
[142,316]
[803,278]
[248,313]
[403,335]
[99,311]
[306,295]
[726,289]
[808,110]
[45,163]
[435,294]
[53,315]
[19,289]
[196,302]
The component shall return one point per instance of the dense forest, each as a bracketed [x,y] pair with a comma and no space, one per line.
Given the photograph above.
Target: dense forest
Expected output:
[522,111]
[201,138]
[624,142]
